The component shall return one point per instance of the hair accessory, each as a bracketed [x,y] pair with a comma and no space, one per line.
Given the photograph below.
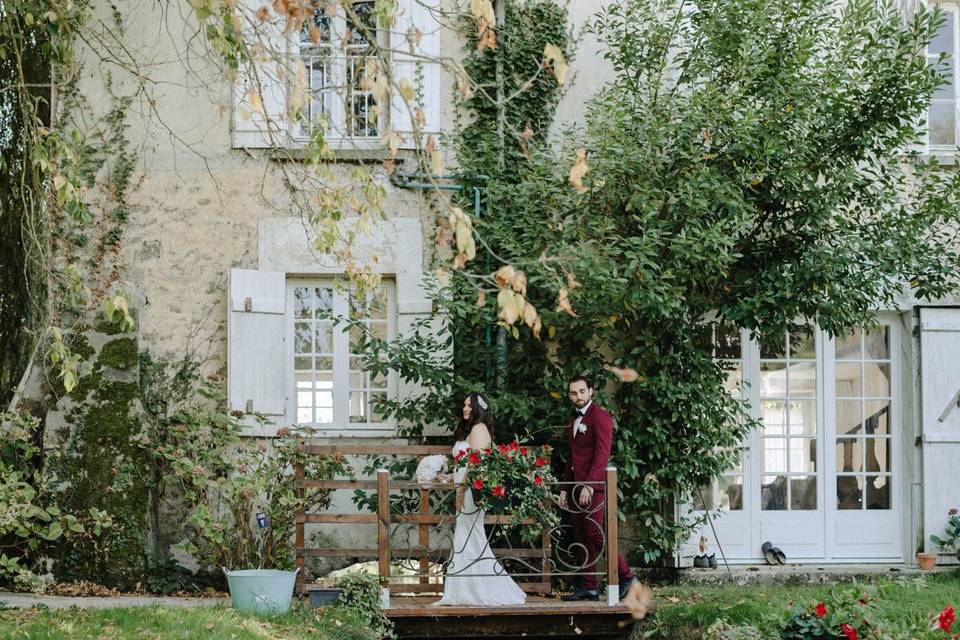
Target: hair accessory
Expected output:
[481,402]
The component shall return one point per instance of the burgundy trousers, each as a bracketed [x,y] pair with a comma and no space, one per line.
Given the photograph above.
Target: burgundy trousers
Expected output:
[588,531]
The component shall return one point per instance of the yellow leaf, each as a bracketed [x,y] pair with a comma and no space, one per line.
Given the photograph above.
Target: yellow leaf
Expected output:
[563,303]
[579,170]
[504,275]
[483,10]
[406,90]
[253,98]
[624,374]
[552,332]
[556,395]
[436,162]
[481,299]
[554,58]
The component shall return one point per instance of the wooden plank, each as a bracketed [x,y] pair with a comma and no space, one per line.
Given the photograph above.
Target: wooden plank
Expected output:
[335,518]
[612,546]
[371,485]
[383,528]
[299,541]
[424,535]
[376,449]
[407,552]
[434,587]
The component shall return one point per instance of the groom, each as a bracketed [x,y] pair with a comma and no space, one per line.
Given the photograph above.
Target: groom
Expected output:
[589,434]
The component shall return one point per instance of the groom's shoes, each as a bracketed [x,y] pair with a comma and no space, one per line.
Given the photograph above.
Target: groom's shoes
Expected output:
[581,594]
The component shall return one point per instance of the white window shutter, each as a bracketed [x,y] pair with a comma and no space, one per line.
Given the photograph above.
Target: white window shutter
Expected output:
[256,329]
[417,64]
[260,90]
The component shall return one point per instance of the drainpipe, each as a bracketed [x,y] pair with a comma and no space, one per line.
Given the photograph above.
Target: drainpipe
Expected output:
[418,181]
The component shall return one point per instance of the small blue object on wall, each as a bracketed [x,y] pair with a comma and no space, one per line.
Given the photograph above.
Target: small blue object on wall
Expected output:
[262,520]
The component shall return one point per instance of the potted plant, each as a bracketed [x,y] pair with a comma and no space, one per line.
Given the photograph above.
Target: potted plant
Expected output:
[950,542]
[927,561]
[243,503]
[514,480]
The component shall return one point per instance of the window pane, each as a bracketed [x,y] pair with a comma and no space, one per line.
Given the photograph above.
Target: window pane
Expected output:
[378,381]
[877,420]
[802,346]
[304,415]
[703,499]
[803,455]
[774,455]
[849,492]
[848,454]
[878,492]
[734,379]
[878,455]
[773,493]
[727,343]
[803,379]
[774,348]
[358,406]
[379,330]
[849,420]
[848,346]
[849,383]
[803,493]
[324,301]
[357,380]
[773,379]
[375,399]
[323,337]
[731,493]
[302,337]
[302,303]
[945,70]
[803,417]
[303,364]
[876,379]
[942,124]
[942,41]
[774,417]
[876,344]
[324,363]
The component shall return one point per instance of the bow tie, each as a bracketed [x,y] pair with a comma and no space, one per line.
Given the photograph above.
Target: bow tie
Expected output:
[578,412]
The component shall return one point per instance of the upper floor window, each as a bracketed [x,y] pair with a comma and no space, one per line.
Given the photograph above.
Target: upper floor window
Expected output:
[336,45]
[942,118]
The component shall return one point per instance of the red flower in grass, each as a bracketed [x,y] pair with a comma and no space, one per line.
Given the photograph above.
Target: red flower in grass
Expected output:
[947,618]
[514,445]
[538,481]
[848,631]
[478,484]
[502,448]
[474,458]
[499,491]
[539,462]
[820,610]
[523,451]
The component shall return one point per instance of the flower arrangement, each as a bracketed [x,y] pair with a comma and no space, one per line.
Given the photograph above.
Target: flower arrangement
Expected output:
[514,480]
[846,614]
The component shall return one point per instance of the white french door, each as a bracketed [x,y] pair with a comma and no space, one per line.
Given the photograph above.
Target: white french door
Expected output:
[820,479]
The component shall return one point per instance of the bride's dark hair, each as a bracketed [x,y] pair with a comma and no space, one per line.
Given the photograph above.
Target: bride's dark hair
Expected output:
[479,412]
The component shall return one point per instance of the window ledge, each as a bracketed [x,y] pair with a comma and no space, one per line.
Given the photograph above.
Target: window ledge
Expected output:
[944,158]
[346,154]
[270,431]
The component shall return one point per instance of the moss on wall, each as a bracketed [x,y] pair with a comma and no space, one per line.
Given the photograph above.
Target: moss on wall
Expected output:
[119,354]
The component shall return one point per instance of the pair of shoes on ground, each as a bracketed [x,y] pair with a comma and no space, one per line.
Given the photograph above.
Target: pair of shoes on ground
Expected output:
[705,561]
[773,555]
[593,594]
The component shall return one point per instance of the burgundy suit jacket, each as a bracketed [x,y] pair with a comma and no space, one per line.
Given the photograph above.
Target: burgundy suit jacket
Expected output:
[590,450]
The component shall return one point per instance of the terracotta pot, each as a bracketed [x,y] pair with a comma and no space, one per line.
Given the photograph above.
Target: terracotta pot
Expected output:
[927,561]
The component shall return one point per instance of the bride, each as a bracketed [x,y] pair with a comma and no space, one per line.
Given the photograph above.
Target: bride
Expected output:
[474,576]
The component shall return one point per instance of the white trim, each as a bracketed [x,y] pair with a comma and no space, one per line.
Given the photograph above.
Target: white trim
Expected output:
[934,149]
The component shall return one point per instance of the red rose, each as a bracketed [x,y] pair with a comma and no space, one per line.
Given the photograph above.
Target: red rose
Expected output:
[502,448]
[474,458]
[488,451]
[478,484]
[539,462]
[523,451]
[460,456]
[820,610]
[538,481]
[947,618]
[514,445]
[848,631]
[499,491]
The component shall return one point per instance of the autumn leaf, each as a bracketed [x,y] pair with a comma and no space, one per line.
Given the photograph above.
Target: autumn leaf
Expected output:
[525,138]
[572,283]
[481,299]
[256,104]
[436,162]
[488,40]
[263,13]
[483,10]
[563,303]
[553,57]
[315,34]
[579,170]
[406,89]
[624,374]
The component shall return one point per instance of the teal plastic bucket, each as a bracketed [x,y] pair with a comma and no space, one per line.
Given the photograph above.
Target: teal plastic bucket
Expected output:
[261,590]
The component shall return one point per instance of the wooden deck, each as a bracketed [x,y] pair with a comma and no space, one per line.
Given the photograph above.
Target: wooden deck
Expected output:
[539,617]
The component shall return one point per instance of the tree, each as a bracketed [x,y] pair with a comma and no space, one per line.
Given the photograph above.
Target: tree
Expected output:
[749,165]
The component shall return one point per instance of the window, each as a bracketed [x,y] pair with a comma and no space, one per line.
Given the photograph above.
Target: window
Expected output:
[336,47]
[863,436]
[788,407]
[942,118]
[330,387]
[726,492]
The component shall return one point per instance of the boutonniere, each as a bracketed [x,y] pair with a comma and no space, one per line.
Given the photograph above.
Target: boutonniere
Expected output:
[581,428]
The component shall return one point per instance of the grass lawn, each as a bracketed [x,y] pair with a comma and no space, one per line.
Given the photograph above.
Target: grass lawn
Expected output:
[163,623]
[683,612]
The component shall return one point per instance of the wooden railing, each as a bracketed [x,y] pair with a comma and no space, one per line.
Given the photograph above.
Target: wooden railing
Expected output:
[530,581]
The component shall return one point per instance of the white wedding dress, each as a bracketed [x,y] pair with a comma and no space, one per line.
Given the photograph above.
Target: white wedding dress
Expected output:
[474,576]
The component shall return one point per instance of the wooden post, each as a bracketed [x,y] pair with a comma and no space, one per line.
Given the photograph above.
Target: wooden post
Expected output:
[424,536]
[300,541]
[613,586]
[383,534]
